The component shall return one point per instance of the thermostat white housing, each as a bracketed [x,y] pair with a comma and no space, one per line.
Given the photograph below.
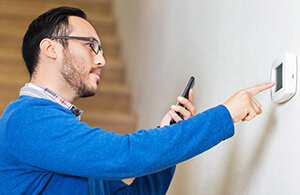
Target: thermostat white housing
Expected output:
[284,74]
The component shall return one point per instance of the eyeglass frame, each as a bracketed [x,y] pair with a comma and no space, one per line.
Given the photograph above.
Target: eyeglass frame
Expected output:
[91,39]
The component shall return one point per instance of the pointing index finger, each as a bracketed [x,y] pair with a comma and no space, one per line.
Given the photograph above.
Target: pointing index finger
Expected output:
[259,88]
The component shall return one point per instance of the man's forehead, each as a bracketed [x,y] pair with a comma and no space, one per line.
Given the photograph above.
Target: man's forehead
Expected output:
[81,27]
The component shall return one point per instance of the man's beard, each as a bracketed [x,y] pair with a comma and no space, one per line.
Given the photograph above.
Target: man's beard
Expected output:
[71,69]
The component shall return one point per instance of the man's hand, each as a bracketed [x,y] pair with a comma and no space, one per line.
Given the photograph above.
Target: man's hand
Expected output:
[242,105]
[186,112]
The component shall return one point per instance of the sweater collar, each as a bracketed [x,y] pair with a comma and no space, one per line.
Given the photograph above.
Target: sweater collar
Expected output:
[35,90]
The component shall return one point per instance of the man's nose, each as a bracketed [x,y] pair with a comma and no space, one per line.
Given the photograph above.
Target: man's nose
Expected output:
[99,60]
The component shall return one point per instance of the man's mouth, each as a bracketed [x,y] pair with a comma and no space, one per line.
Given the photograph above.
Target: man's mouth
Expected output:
[96,72]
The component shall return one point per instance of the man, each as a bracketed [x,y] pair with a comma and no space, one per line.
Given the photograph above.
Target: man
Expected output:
[45,149]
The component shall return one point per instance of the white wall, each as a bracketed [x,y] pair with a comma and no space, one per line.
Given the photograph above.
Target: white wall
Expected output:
[227,45]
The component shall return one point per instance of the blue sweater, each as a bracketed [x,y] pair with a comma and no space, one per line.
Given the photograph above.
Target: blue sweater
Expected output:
[45,149]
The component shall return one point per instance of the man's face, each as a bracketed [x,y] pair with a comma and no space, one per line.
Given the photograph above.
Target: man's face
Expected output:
[80,65]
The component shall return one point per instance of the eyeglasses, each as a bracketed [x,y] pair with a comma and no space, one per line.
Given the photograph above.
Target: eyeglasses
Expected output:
[94,43]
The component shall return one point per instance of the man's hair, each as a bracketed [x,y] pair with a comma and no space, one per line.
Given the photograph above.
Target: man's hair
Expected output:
[54,22]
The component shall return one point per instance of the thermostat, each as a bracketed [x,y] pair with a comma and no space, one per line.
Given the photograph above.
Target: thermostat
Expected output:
[284,74]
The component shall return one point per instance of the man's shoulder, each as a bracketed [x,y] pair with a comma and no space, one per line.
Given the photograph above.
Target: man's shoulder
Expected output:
[33,113]
[26,106]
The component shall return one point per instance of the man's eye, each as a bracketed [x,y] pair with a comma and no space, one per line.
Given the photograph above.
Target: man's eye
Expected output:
[89,44]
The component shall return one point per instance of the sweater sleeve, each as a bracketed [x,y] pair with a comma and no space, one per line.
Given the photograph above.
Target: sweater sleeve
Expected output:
[153,184]
[51,138]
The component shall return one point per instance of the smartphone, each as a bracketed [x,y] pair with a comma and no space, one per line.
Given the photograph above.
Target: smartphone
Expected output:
[185,94]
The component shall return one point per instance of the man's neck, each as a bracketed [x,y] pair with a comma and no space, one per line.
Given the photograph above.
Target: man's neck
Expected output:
[66,92]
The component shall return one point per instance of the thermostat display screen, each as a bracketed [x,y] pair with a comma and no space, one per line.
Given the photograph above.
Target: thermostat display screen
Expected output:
[278,78]
[284,74]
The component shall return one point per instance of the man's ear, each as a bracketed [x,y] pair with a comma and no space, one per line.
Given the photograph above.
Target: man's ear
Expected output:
[48,48]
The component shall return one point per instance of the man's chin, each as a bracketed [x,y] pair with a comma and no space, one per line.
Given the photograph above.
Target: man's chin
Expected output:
[88,92]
